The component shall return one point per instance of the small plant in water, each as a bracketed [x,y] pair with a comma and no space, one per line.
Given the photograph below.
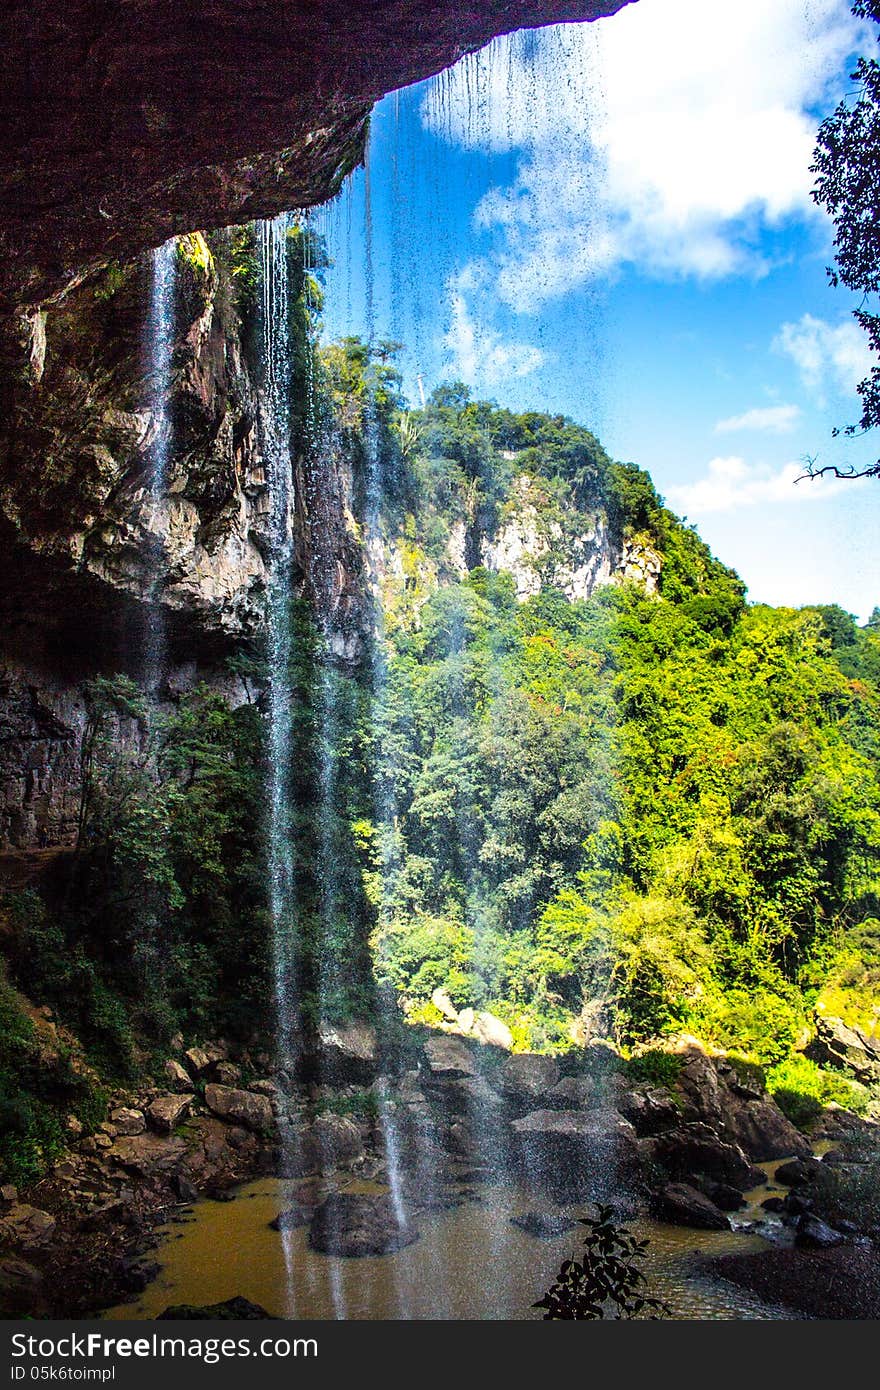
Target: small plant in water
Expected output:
[607,1281]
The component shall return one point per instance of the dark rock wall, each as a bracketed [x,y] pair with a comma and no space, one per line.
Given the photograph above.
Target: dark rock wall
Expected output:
[122,123]
[91,558]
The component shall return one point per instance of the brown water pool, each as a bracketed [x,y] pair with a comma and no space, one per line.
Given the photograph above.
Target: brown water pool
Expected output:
[470,1262]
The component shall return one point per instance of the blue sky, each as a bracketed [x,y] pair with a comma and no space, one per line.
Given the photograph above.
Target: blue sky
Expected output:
[614,221]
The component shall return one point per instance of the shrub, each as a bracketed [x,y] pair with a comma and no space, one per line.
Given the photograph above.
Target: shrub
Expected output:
[656,1067]
[802,1089]
[606,1282]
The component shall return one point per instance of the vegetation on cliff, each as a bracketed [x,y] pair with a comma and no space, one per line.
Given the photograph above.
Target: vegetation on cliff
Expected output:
[579,783]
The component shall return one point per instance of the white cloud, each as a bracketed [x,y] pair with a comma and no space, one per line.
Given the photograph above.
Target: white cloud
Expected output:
[479,355]
[666,136]
[826,354]
[775,419]
[731,482]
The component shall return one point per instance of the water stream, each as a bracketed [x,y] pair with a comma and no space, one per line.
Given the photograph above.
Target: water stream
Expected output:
[160,346]
[275,419]
[470,1262]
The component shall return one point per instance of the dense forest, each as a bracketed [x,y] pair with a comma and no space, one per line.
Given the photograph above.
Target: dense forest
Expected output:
[617,811]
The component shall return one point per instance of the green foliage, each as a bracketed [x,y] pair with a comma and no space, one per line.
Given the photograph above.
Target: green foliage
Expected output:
[664,807]
[656,1067]
[802,1089]
[848,185]
[162,924]
[607,1281]
[39,1088]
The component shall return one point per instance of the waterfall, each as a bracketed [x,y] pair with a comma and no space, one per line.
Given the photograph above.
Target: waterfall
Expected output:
[160,345]
[275,423]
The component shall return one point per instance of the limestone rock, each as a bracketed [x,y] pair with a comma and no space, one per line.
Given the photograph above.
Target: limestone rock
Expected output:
[838,1045]
[798,1172]
[264,1087]
[527,1077]
[814,1234]
[25,1227]
[166,1112]
[177,1076]
[577,1154]
[146,1154]
[236,1309]
[444,1005]
[492,1031]
[448,1056]
[337,1140]
[226,1073]
[198,1060]
[650,1109]
[240,1107]
[696,1149]
[128,1121]
[571,1093]
[349,1051]
[544,1223]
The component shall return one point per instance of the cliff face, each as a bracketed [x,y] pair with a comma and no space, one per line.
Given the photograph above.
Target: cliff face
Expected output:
[94,555]
[122,124]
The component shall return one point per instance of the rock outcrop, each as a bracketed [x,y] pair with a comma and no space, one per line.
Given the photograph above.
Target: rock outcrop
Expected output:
[121,125]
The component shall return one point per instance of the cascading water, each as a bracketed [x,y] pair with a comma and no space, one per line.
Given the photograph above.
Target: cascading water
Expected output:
[276,446]
[160,329]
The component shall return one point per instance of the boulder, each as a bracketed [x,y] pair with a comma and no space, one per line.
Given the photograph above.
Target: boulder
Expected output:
[576,1154]
[236,1309]
[737,1107]
[571,1093]
[813,1234]
[177,1077]
[292,1218]
[166,1112]
[683,1205]
[725,1197]
[696,1149]
[74,1127]
[226,1073]
[239,1107]
[19,1285]
[650,1110]
[798,1171]
[491,1031]
[836,1044]
[762,1131]
[776,1205]
[544,1223]
[147,1154]
[198,1060]
[448,1057]
[337,1140]
[527,1077]
[128,1121]
[264,1087]
[444,1005]
[349,1051]
[25,1227]
[356,1225]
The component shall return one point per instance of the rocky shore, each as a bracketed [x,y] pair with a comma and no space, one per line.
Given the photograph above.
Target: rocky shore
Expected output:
[450,1112]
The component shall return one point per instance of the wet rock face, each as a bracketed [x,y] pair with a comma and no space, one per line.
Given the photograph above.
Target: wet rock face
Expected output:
[123,124]
[355,1225]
